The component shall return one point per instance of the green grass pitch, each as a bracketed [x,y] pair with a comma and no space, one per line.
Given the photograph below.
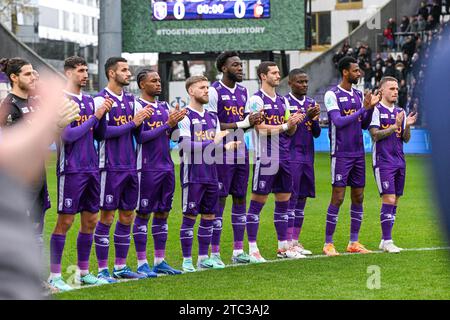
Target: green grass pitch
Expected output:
[409,275]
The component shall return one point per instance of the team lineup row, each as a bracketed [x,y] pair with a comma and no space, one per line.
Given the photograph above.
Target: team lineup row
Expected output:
[131,169]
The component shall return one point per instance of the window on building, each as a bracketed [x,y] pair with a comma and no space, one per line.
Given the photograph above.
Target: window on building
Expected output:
[86,25]
[66,20]
[352,25]
[349,4]
[76,22]
[321,28]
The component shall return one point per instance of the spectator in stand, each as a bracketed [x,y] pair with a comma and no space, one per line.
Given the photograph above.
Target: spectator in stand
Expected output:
[431,24]
[402,94]
[388,34]
[368,75]
[379,60]
[403,27]
[400,71]
[409,47]
[421,23]
[447,6]
[378,74]
[436,11]
[363,53]
[389,71]
[350,52]
[412,26]
[405,24]
[423,11]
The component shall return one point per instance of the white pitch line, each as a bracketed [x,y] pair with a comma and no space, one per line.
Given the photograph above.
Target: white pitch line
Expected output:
[282,260]
[320,256]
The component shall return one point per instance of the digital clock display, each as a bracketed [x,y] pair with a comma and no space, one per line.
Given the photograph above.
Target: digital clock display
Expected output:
[210,9]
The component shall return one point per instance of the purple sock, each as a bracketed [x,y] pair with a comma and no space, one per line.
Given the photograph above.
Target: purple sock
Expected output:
[84,245]
[217,230]
[101,239]
[299,217]
[122,239]
[281,219]
[186,236]
[57,243]
[387,221]
[394,212]
[238,220]
[332,219]
[204,236]
[140,234]
[291,216]
[356,214]
[253,220]
[160,230]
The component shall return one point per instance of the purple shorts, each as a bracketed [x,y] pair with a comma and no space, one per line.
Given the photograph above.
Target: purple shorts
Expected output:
[390,180]
[275,178]
[156,189]
[233,179]
[198,198]
[303,180]
[348,172]
[119,190]
[78,192]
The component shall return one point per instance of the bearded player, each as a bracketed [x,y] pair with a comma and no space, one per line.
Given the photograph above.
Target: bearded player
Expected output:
[349,114]
[228,99]
[389,130]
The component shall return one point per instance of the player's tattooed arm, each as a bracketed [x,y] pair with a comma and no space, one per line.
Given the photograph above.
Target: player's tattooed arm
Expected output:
[378,134]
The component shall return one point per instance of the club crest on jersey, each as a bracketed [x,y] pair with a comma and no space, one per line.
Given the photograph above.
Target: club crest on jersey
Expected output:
[226,98]
[195,121]
[386,185]
[144,203]
[217,224]
[343,99]
[160,10]
[267,106]
[68,203]
[384,116]
[109,199]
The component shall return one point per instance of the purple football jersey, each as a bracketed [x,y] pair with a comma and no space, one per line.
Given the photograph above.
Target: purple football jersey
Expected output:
[272,147]
[302,143]
[346,141]
[80,155]
[118,153]
[229,104]
[154,155]
[388,152]
[196,166]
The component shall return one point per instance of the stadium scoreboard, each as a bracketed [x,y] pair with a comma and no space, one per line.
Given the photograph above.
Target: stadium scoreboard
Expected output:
[209,10]
[212,25]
